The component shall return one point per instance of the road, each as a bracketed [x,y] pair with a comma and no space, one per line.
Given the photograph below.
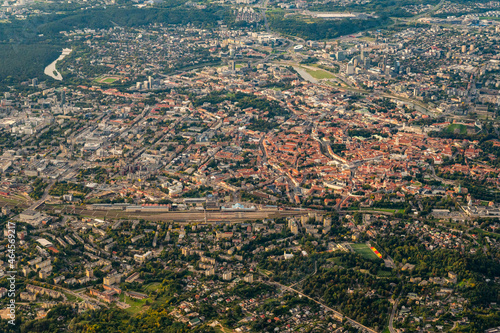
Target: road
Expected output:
[264,9]
[391,320]
[351,321]
[71,292]
[44,197]
[444,181]
[263,150]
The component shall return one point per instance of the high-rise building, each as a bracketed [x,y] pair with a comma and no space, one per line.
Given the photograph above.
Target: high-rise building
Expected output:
[396,66]
[464,48]
[367,63]
[364,55]
[340,55]
[232,65]
[63,97]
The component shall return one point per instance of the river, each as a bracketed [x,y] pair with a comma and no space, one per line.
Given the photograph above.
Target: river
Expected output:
[51,70]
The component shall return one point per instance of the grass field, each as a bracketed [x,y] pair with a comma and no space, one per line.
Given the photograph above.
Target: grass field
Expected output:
[72,298]
[382,273]
[364,251]
[136,305]
[152,286]
[457,128]
[369,39]
[320,74]
[490,18]
[336,260]
[386,210]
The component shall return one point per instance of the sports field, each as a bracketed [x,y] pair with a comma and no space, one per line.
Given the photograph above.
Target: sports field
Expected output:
[364,251]
[107,79]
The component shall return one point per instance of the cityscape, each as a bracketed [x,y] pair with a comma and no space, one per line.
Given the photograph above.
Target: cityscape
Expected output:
[250,166]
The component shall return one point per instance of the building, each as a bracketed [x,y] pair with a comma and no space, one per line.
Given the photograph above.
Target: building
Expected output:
[132,277]
[112,279]
[26,296]
[143,257]
[248,278]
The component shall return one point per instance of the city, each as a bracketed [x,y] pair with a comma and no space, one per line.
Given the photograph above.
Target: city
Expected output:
[239,171]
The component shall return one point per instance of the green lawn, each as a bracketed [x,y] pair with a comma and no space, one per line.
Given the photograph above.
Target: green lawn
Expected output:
[457,128]
[336,260]
[490,18]
[320,74]
[152,287]
[364,251]
[136,305]
[266,272]
[382,273]
[387,210]
[72,298]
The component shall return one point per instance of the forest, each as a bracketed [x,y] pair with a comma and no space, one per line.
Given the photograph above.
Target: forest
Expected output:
[320,29]
[25,61]
[391,8]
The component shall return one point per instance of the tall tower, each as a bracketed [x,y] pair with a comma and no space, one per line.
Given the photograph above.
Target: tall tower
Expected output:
[63,97]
